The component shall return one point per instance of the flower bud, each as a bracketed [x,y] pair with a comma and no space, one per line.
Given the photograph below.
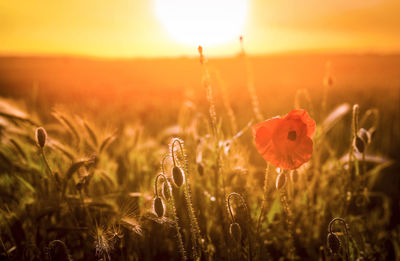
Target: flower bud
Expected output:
[41,137]
[333,243]
[364,135]
[359,144]
[235,232]
[158,206]
[177,176]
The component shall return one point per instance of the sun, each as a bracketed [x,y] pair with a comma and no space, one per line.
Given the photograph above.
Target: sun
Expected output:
[204,22]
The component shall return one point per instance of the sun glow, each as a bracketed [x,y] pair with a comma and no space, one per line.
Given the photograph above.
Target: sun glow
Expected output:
[206,22]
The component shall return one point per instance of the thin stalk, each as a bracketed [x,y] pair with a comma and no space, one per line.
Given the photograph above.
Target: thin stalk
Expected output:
[45,161]
[248,225]
[289,218]
[209,91]
[174,212]
[195,229]
[227,103]
[264,203]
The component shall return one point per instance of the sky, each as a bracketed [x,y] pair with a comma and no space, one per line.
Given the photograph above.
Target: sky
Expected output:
[132,28]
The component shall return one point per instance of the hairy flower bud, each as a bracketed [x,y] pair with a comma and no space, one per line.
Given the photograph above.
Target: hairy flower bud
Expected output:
[41,137]
[359,144]
[333,243]
[158,206]
[364,135]
[177,176]
[235,232]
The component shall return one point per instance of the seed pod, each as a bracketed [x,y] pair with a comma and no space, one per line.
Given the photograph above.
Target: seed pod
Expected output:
[177,176]
[281,181]
[359,144]
[166,190]
[158,206]
[235,232]
[41,136]
[333,243]
[364,135]
[200,168]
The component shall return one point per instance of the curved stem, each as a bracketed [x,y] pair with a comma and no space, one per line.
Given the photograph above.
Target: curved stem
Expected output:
[162,163]
[45,161]
[346,231]
[156,182]
[230,209]
[243,202]
[172,150]
[195,229]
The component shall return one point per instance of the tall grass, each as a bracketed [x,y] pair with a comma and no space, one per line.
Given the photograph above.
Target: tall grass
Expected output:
[76,189]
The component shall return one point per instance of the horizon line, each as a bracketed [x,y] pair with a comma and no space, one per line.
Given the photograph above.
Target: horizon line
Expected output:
[194,56]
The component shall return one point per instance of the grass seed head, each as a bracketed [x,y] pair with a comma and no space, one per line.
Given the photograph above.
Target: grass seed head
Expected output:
[235,232]
[158,206]
[333,243]
[41,137]
[177,176]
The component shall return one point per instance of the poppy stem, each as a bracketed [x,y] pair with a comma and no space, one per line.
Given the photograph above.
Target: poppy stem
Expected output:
[171,202]
[209,92]
[265,197]
[195,229]
[248,224]
[156,182]
[289,218]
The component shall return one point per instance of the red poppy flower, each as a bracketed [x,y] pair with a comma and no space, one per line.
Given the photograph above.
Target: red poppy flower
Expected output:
[285,142]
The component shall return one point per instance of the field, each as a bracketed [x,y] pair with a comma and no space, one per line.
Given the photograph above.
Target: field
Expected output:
[84,141]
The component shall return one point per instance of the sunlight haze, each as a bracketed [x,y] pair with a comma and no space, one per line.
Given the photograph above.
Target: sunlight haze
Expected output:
[139,28]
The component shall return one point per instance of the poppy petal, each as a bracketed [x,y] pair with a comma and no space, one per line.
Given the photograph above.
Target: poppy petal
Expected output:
[302,153]
[305,118]
[285,142]
[263,133]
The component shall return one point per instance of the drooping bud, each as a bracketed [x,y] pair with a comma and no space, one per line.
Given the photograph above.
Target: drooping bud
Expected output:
[364,135]
[281,181]
[359,144]
[236,232]
[177,176]
[166,190]
[333,243]
[41,137]
[158,206]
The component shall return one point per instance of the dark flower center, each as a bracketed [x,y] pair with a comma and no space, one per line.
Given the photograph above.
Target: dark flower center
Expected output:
[291,135]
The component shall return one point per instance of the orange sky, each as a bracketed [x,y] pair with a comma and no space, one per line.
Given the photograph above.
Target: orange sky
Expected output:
[130,28]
